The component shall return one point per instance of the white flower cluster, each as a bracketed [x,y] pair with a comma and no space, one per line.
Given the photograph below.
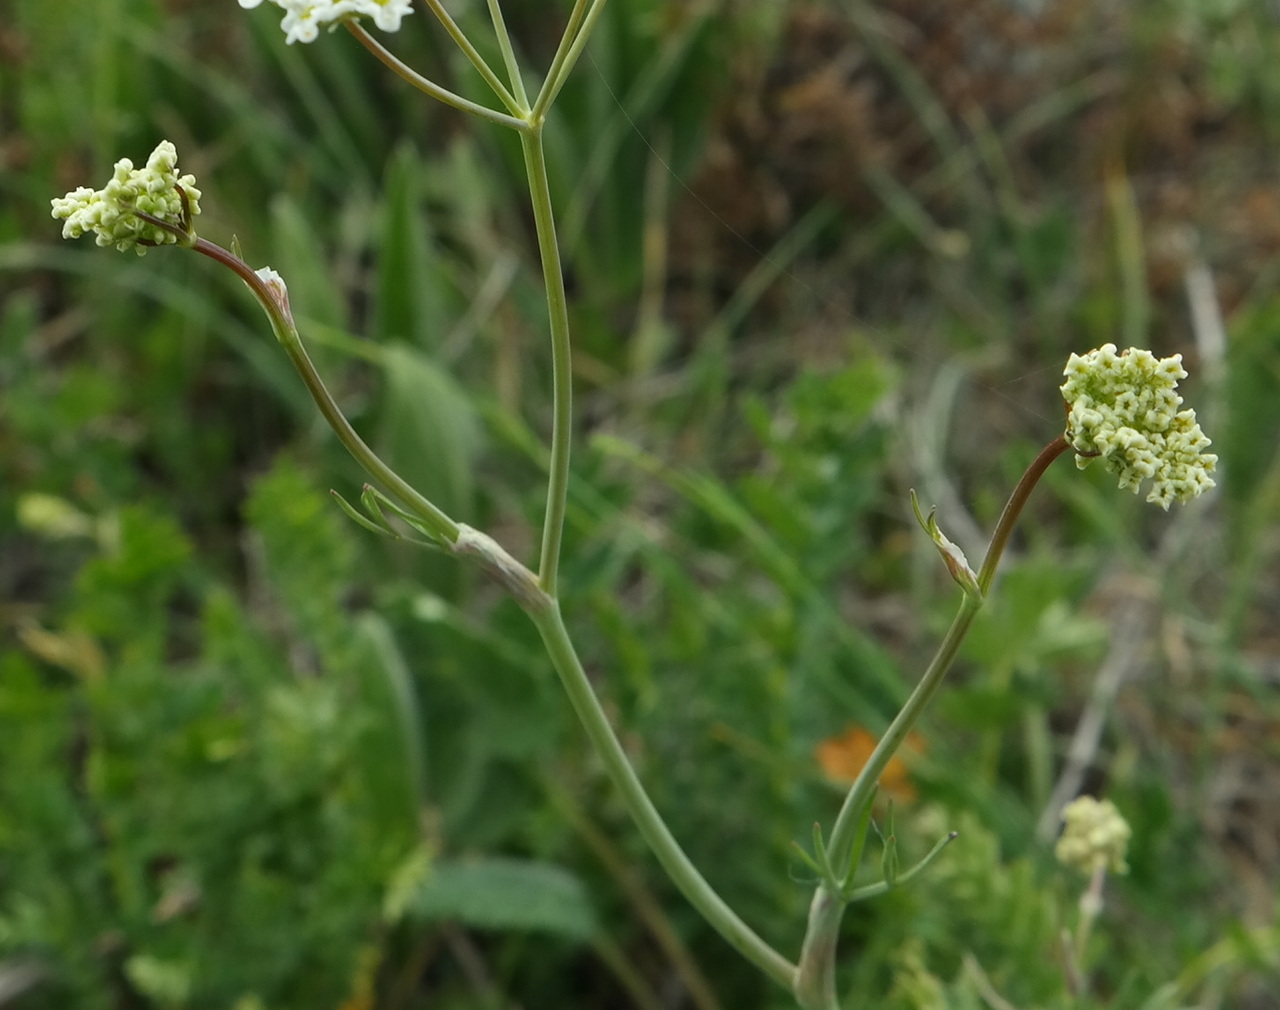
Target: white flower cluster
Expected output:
[112,212]
[1123,408]
[303,19]
[1095,836]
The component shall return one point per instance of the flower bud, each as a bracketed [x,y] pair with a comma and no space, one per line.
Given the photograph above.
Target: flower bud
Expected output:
[112,213]
[1095,837]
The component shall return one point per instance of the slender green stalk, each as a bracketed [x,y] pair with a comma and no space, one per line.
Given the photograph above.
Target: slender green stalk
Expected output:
[411,76]
[516,105]
[841,839]
[646,906]
[1090,908]
[1013,508]
[561,362]
[433,519]
[574,40]
[508,54]
[652,828]
[817,964]
[540,106]
[846,823]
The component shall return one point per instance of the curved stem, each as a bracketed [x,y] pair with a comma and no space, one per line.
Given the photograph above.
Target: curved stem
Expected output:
[408,74]
[433,519]
[841,840]
[846,823]
[818,976]
[679,868]
[1013,508]
[561,362]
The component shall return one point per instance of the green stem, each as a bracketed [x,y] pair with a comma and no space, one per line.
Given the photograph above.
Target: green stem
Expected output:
[642,900]
[517,106]
[815,986]
[508,55]
[427,87]
[561,362]
[562,53]
[846,823]
[1090,908]
[652,828]
[840,843]
[1013,508]
[433,519]
[841,840]
[574,40]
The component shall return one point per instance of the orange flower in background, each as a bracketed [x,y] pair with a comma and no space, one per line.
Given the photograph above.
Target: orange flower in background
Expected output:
[843,756]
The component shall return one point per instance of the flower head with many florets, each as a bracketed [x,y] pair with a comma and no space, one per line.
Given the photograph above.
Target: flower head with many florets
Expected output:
[1096,836]
[1123,408]
[112,213]
[303,19]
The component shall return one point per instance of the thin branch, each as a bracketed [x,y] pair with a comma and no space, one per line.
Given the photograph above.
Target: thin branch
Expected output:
[516,107]
[435,521]
[574,40]
[508,55]
[648,821]
[561,363]
[427,87]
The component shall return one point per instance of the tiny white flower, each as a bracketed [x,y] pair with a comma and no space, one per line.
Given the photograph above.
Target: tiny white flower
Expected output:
[111,213]
[279,291]
[1096,836]
[303,19]
[1123,408]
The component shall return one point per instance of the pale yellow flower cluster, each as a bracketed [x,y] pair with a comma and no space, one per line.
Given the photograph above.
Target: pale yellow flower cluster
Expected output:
[112,212]
[1095,837]
[303,19]
[1124,410]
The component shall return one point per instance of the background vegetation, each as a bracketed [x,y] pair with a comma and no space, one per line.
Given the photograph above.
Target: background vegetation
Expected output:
[820,253]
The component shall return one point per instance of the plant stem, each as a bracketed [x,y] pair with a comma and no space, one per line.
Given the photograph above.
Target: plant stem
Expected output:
[517,105]
[815,986]
[433,519]
[841,840]
[642,900]
[652,828]
[561,361]
[540,105]
[574,40]
[840,843]
[1013,508]
[508,56]
[407,73]
[846,823]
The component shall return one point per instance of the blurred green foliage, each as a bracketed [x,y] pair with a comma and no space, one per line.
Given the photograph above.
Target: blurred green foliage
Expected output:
[819,254]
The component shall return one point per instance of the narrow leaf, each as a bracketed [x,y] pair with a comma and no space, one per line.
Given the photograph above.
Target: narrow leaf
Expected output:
[360,519]
[507,894]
